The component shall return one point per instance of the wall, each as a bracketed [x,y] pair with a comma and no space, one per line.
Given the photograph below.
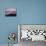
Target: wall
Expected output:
[28,12]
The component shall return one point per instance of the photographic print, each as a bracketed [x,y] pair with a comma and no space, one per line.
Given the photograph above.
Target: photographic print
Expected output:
[10,12]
